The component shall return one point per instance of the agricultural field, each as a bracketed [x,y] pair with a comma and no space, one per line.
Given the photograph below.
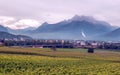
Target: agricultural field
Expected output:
[39,61]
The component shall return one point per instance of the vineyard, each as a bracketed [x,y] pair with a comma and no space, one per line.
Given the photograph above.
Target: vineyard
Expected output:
[36,61]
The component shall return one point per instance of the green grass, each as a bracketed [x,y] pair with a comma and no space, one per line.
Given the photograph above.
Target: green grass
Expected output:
[61,62]
[73,50]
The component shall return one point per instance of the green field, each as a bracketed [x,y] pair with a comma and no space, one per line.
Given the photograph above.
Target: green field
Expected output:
[38,61]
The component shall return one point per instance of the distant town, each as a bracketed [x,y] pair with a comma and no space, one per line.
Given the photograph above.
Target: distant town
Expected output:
[49,43]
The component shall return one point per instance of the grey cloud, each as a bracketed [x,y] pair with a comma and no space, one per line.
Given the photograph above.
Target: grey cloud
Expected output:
[57,10]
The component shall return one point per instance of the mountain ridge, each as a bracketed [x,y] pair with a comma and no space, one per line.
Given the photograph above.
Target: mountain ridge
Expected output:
[71,29]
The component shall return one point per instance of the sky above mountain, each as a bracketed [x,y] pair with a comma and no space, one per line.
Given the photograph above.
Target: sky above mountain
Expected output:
[19,14]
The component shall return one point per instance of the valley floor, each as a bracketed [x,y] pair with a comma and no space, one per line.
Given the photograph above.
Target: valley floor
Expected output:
[38,61]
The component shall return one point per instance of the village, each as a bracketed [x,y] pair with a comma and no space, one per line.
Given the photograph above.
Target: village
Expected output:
[49,43]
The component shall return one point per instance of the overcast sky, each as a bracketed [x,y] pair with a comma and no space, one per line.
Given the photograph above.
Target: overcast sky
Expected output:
[24,13]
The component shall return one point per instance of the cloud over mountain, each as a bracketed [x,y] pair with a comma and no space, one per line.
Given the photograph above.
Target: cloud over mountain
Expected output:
[54,11]
[16,23]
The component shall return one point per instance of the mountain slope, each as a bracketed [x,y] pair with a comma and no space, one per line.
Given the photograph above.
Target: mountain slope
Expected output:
[115,34]
[2,28]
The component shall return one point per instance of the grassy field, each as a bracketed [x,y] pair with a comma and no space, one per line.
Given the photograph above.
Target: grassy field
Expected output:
[38,61]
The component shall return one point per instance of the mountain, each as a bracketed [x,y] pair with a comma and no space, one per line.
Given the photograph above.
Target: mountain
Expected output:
[72,29]
[113,35]
[2,28]
[6,35]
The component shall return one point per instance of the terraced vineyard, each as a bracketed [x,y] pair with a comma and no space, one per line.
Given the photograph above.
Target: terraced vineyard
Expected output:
[36,61]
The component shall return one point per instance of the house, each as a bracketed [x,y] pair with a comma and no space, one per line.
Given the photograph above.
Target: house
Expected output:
[1,43]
